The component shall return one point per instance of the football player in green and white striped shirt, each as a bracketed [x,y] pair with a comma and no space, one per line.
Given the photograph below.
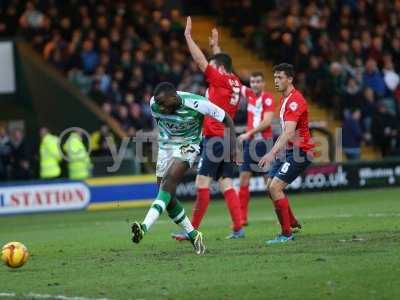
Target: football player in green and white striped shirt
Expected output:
[179,116]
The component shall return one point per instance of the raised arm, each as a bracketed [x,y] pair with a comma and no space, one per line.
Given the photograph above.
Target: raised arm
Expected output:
[197,55]
[214,41]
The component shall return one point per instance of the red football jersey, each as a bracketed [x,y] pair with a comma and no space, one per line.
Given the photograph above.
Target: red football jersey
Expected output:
[294,108]
[223,91]
[256,107]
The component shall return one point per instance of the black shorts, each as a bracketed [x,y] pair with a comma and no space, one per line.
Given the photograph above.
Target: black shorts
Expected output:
[253,151]
[290,166]
[213,161]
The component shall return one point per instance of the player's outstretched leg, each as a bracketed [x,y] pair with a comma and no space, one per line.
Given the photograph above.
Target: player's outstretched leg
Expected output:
[177,213]
[156,209]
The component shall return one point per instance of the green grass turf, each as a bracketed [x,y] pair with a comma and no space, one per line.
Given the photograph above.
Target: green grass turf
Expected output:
[349,249]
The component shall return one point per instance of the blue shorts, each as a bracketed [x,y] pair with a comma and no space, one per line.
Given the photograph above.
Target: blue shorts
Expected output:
[291,166]
[253,151]
[213,161]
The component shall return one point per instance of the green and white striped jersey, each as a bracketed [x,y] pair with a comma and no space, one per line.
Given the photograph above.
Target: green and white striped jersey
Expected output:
[185,125]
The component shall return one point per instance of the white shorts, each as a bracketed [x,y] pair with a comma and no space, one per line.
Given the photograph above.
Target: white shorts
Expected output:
[186,153]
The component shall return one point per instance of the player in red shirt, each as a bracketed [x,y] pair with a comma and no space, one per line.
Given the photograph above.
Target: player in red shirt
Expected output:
[224,91]
[296,143]
[257,140]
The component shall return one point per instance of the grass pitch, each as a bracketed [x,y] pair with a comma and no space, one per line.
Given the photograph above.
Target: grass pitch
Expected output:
[349,249]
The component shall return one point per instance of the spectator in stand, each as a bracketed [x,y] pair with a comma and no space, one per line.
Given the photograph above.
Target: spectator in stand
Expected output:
[316,77]
[333,87]
[390,77]
[123,117]
[287,49]
[344,46]
[89,57]
[385,130]
[32,17]
[20,156]
[395,51]
[368,112]
[373,78]
[352,97]
[135,114]
[108,49]
[103,79]
[352,135]
[5,149]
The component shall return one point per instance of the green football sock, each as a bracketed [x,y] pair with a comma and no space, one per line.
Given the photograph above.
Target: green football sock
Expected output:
[156,209]
[178,215]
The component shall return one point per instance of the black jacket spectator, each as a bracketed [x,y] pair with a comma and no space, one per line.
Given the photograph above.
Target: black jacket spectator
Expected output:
[20,156]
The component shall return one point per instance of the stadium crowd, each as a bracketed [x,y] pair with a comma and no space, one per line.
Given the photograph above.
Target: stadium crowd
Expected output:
[114,51]
[346,54]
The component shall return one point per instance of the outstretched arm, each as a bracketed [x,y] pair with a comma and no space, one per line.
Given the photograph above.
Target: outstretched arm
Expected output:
[214,41]
[195,51]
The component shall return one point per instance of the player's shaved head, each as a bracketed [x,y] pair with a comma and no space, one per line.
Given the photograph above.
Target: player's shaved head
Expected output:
[165,96]
[222,59]
[164,88]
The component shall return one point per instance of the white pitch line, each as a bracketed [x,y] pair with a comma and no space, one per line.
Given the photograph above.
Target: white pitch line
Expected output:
[33,296]
[8,295]
[59,297]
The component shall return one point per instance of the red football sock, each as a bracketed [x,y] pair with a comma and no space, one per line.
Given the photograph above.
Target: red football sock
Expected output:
[282,211]
[232,201]
[200,206]
[244,197]
[293,220]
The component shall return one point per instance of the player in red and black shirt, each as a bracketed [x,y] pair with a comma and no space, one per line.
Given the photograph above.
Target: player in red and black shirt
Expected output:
[296,143]
[224,91]
[257,140]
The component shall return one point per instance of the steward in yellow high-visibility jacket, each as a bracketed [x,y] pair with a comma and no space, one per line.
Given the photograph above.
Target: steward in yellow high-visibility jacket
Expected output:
[79,165]
[50,156]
